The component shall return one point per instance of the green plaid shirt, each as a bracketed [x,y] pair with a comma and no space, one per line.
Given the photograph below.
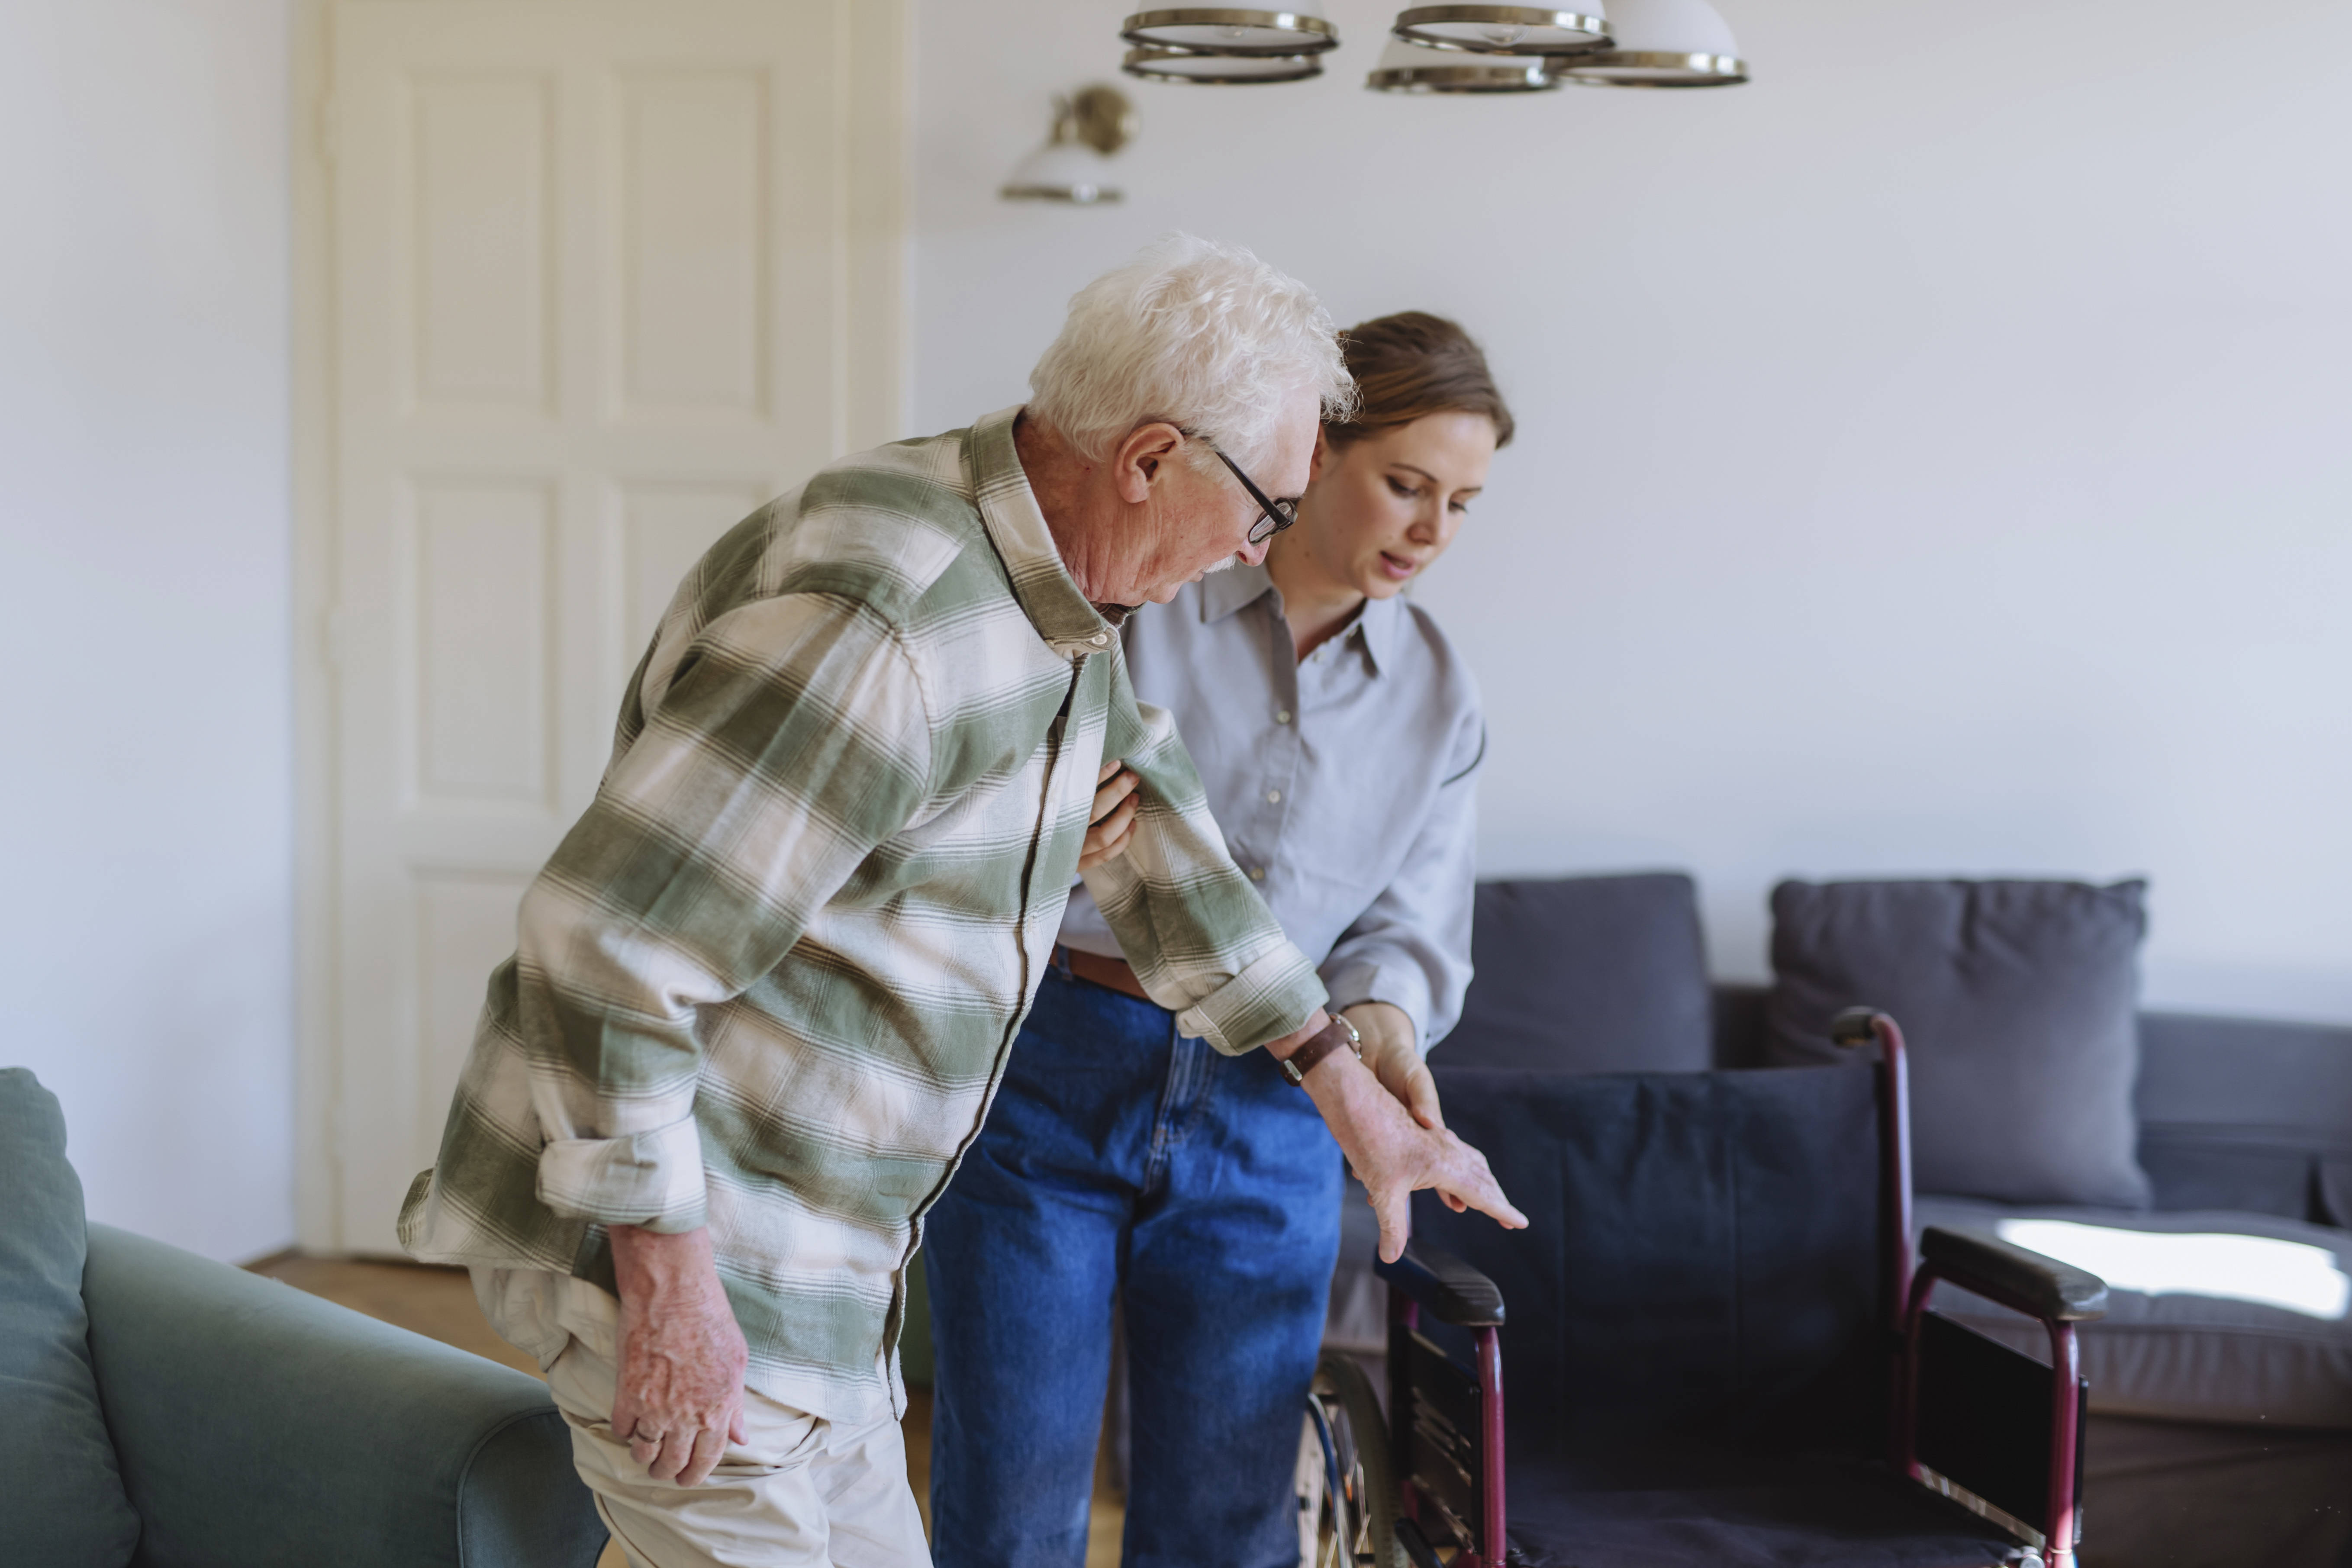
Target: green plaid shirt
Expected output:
[769,981]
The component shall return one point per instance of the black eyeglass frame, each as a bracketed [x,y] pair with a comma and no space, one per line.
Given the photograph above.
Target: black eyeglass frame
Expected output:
[1281,514]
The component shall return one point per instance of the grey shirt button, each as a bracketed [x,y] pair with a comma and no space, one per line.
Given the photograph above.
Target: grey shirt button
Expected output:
[1257,873]
[1273,797]
[1282,715]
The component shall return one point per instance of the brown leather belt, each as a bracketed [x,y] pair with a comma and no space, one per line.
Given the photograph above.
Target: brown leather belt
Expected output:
[1110,973]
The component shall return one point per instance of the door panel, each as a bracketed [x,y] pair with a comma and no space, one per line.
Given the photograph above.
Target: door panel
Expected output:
[607,275]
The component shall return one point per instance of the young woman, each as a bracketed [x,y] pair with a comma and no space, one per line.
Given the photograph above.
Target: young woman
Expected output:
[1337,735]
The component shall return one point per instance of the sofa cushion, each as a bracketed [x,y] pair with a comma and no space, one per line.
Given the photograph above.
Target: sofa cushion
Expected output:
[66,1501]
[2180,1355]
[2250,1114]
[1586,974]
[2017,1001]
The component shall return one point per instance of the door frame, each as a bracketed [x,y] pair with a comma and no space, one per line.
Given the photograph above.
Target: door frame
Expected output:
[873,74]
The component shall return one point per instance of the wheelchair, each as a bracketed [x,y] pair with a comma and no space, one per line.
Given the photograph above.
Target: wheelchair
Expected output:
[1723,1349]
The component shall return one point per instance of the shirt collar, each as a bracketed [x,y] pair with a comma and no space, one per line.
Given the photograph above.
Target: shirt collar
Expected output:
[1238,588]
[1008,509]
[1235,588]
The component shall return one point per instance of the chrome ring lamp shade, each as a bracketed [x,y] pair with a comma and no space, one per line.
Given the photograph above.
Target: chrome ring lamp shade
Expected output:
[1228,30]
[1221,70]
[1416,68]
[1650,67]
[1660,43]
[1502,29]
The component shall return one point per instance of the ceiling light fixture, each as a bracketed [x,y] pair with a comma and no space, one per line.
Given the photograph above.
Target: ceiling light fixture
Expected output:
[1502,29]
[1074,165]
[1158,64]
[1421,68]
[1660,43]
[1233,30]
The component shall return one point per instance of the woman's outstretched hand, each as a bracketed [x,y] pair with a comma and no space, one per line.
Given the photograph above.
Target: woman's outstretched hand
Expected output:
[1112,821]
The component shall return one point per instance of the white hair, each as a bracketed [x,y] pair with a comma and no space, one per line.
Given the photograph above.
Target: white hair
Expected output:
[1203,335]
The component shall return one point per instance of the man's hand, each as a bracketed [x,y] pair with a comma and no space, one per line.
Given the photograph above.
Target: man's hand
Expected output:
[1111,823]
[679,1397]
[1391,1153]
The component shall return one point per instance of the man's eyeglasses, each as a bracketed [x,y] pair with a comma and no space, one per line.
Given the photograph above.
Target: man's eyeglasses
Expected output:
[1278,514]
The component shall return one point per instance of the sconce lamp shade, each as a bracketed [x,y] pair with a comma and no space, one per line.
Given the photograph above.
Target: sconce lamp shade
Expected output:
[1660,43]
[1298,29]
[1230,70]
[1063,171]
[1502,29]
[1074,165]
[1416,68]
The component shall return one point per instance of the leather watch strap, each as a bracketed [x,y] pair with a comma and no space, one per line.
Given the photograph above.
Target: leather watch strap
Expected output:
[1332,1036]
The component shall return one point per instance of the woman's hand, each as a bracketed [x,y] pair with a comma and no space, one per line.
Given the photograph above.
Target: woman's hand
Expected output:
[1112,820]
[1395,1060]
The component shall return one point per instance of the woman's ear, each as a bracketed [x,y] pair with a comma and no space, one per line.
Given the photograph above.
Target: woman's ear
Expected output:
[1327,456]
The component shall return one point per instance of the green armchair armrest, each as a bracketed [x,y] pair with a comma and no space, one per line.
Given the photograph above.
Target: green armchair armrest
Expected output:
[258,1426]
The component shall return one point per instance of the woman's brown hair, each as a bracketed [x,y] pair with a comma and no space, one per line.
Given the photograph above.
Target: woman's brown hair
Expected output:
[1413,364]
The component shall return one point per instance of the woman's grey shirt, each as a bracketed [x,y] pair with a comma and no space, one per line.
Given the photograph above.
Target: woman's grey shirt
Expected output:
[1345,785]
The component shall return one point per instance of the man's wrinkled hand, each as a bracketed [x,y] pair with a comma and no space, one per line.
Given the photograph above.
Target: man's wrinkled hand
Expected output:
[1392,1154]
[679,1399]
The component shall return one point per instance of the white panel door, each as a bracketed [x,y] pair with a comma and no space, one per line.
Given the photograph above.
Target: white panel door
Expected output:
[607,274]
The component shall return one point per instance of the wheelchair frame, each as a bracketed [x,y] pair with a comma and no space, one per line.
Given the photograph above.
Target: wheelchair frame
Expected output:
[1447,1450]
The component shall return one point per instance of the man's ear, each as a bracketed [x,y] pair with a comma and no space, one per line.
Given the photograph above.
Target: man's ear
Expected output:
[1142,457]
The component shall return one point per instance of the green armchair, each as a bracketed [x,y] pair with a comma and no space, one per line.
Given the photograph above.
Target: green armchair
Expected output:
[184,1413]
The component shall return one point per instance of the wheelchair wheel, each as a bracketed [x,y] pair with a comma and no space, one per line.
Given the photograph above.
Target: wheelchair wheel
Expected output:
[1346,1487]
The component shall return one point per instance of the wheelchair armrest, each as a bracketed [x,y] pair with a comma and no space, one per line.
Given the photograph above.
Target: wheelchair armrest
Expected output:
[2025,1281]
[1452,1290]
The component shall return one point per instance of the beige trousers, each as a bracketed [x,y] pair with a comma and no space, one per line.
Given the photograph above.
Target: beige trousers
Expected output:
[803,1493]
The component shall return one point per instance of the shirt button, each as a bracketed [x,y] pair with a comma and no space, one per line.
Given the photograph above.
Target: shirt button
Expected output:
[1273,797]
[1257,873]
[1282,715]
[1100,639]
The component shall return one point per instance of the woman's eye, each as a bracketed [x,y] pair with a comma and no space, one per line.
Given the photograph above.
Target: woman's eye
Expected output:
[1461,506]
[1401,489]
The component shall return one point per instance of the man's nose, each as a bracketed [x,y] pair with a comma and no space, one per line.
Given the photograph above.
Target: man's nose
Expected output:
[1254,555]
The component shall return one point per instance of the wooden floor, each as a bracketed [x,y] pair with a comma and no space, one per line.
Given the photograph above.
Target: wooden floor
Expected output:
[439,1304]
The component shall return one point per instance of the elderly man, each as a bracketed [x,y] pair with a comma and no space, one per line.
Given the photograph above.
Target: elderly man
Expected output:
[765,987]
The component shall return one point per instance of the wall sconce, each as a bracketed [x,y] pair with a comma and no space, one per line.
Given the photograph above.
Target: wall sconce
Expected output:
[1074,165]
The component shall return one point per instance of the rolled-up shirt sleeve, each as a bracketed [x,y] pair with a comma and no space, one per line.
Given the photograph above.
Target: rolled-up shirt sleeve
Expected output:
[792,738]
[1411,947]
[1200,939]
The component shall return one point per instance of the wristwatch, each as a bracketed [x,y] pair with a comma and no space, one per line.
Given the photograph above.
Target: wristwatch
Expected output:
[1337,1032]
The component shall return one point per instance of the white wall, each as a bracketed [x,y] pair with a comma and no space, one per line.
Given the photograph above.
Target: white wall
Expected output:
[1935,456]
[145,797]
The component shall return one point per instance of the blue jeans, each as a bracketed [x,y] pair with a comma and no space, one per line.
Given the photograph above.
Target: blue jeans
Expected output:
[1204,1189]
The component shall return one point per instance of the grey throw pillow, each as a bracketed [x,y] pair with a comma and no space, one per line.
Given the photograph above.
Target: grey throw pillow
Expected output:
[1586,974]
[65,1496]
[2019,1000]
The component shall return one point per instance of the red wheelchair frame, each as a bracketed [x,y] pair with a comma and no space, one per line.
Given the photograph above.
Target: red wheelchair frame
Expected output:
[1446,1429]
